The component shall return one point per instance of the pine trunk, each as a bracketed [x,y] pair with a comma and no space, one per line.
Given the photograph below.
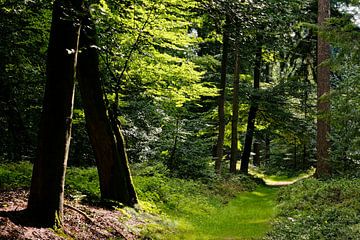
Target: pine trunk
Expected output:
[105,135]
[47,185]
[323,88]
[235,115]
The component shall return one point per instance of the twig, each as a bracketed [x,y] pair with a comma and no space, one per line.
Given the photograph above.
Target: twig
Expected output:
[81,212]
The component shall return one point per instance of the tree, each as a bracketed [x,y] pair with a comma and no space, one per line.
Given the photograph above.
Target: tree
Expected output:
[221,99]
[47,184]
[244,168]
[102,125]
[235,114]
[323,89]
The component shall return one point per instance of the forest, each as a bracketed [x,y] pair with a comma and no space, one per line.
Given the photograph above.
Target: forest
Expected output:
[180,119]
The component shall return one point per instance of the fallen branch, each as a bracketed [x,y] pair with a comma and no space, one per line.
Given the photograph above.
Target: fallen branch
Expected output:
[81,212]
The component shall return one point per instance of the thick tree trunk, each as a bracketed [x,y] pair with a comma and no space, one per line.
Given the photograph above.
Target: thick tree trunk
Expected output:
[244,168]
[104,132]
[323,105]
[235,115]
[47,185]
[221,100]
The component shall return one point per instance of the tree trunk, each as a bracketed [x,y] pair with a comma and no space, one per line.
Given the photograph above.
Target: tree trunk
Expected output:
[221,101]
[172,158]
[47,185]
[256,158]
[252,114]
[104,132]
[267,149]
[235,115]
[323,105]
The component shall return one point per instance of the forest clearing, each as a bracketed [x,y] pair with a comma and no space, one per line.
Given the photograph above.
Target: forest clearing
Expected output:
[180,119]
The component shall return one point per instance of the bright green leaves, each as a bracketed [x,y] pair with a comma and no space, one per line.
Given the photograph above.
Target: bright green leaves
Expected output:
[150,45]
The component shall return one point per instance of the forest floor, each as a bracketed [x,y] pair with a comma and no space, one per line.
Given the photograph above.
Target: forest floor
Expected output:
[247,216]
[80,221]
[185,209]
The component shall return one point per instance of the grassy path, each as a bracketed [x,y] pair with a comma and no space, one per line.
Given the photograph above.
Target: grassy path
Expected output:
[245,217]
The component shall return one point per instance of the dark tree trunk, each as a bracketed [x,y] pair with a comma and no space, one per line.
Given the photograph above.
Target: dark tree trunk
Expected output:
[235,115]
[172,158]
[323,105]
[104,132]
[221,101]
[244,168]
[256,159]
[47,185]
[267,149]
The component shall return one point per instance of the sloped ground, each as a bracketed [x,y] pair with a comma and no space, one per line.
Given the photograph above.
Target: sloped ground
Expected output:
[80,221]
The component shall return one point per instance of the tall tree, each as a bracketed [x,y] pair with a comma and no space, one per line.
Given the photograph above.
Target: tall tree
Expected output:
[245,157]
[221,100]
[235,114]
[103,128]
[323,88]
[47,184]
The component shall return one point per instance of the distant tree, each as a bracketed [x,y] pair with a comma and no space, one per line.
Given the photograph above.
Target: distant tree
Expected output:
[235,113]
[323,89]
[245,157]
[221,99]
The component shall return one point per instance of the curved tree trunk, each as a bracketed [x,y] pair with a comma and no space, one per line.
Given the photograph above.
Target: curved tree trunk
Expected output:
[221,101]
[47,185]
[104,132]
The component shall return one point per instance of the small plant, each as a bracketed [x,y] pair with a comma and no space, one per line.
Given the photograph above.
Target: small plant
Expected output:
[313,209]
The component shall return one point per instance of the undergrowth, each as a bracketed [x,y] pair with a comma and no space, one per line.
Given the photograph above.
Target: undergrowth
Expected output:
[165,202]
[314,209]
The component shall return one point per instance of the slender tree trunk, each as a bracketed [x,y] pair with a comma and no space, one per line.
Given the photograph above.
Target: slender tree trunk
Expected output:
[47,185]
[244,168]
[172,158]
[235,114]
[256,158]
[295,155]
[221,101]
[104,132]
[323,105]
[267,149]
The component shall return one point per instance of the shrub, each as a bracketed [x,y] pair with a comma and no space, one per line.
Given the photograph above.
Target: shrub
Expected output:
[313,209]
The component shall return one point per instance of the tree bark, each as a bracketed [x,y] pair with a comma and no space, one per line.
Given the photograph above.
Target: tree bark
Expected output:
[47,185]
[244,168]
[104,131]
[323,168]
[221,100]
[235,114]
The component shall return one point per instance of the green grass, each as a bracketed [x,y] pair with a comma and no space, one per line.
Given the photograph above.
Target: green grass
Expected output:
[247,216]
